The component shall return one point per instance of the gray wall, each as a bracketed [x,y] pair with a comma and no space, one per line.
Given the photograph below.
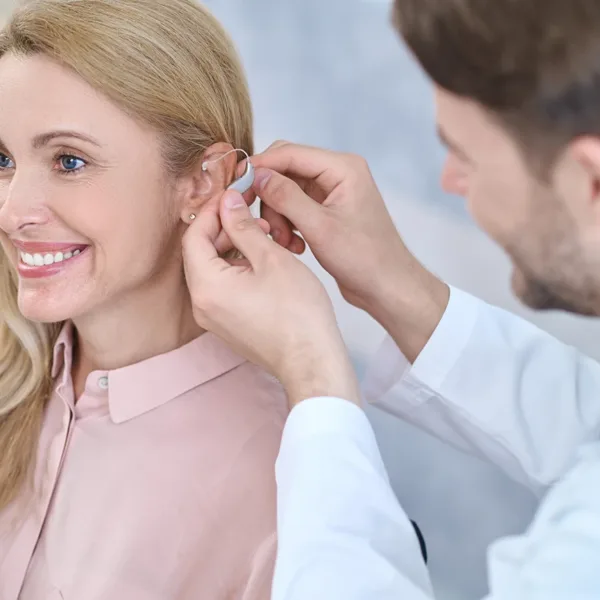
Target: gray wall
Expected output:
[332,73]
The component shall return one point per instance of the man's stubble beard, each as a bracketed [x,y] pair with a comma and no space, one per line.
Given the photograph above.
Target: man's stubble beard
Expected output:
[560,280]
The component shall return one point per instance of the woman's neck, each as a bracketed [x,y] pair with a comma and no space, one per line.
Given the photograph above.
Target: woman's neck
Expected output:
[146,323]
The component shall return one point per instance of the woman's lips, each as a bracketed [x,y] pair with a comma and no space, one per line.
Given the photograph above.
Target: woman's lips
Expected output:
[46,247]
[38,260]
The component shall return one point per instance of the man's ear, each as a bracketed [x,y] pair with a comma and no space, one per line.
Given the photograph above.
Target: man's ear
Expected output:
[207,179]
[584,181]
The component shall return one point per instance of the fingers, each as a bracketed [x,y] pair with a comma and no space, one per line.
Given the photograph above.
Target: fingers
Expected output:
[287,199]
[223,242]
[242,228]
[327,169]
[278,144]
[297,245]
[281,228]
[200,255]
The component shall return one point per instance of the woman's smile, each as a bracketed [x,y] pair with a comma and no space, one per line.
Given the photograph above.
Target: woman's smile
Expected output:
[39,259]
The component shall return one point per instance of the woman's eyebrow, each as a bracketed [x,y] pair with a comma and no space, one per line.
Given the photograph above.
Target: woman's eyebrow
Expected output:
[41,140]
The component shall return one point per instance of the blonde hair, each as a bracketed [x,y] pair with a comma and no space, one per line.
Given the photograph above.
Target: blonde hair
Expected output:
[167,63]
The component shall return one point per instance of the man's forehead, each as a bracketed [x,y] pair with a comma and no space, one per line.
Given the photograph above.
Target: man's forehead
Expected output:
[463,121]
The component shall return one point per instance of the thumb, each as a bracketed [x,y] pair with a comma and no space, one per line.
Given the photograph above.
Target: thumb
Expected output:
[201,261]
[199,239]
[242,228]
[282,195]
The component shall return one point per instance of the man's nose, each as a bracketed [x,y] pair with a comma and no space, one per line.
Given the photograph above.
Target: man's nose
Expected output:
[454,180]
[22,204]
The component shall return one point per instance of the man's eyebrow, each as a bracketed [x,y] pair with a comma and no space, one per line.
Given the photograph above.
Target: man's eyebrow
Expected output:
[449,144]
[445,139]
[43,139]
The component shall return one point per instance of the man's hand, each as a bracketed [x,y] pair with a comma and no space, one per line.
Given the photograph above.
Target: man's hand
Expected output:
[333,201]
[268,306]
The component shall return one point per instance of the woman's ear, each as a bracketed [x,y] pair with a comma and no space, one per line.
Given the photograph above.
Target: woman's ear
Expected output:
[208,178]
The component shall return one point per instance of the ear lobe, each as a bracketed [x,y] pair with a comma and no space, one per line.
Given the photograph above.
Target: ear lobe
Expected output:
[194,192]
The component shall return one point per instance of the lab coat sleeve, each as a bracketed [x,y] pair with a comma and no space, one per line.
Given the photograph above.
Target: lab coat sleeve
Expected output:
[558,557]
[342,534]
[495,385]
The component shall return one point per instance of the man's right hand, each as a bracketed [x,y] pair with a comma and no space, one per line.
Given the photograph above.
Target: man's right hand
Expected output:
[333,201]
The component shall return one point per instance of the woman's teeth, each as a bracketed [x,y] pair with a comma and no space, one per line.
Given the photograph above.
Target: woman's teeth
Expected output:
[40,260]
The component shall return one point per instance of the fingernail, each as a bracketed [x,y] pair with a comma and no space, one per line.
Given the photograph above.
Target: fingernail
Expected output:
[261,179]
[234,200]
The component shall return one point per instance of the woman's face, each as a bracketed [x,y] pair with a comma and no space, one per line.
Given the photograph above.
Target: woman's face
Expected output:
[87,213]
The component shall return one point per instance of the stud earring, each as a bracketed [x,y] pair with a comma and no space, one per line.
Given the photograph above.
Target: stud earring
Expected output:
[192,217]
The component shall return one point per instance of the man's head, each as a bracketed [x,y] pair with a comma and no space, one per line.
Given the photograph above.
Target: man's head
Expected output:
[518,101]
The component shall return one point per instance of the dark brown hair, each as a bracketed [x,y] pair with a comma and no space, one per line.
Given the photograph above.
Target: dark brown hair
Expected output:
[534,64]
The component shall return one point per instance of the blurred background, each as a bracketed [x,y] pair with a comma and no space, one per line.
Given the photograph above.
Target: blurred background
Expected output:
[332,73]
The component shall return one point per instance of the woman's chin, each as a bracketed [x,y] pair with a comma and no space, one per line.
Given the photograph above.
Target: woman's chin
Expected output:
[45,316]
[42,309]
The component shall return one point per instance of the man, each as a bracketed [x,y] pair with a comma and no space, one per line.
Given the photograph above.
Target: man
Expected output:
[518,104]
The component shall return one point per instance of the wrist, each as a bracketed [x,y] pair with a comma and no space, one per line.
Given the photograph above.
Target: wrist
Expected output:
[322,373]
[409,304]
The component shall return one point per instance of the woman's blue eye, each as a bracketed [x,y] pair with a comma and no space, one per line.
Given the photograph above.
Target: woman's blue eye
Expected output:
[71,163]
[5,162]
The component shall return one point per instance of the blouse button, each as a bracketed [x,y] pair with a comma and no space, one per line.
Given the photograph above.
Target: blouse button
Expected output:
[103,383]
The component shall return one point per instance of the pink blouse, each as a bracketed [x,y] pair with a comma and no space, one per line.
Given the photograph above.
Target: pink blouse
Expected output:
[157,485]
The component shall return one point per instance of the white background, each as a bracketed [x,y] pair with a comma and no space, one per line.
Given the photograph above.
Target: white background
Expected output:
[332,73]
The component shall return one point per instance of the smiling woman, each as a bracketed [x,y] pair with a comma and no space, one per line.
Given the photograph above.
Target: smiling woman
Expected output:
[136,451]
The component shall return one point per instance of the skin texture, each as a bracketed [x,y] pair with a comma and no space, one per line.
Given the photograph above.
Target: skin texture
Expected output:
[116,197]
[550,228]
[288,351]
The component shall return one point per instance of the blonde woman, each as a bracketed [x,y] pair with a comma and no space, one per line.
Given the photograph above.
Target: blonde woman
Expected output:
[136,451]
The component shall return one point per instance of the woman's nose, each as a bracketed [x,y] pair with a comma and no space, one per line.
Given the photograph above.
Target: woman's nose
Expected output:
[22,205]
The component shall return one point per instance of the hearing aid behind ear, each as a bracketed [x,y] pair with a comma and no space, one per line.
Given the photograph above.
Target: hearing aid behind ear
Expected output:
[243,183]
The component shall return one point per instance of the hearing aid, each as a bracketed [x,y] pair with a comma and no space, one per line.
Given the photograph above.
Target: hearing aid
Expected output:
[243,183]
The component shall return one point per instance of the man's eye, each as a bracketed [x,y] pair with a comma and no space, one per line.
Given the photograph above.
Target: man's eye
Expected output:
[5,162]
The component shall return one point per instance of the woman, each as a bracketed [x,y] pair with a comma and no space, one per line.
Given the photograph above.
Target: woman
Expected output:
[136,451]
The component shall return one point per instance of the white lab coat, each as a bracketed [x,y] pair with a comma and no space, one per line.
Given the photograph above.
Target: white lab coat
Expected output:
[489,383]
